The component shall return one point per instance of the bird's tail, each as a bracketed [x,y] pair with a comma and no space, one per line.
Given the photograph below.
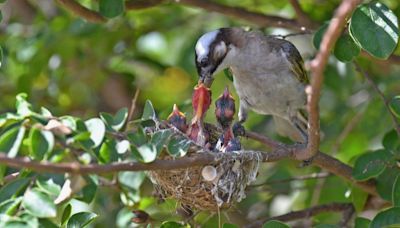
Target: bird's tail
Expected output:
[296,129]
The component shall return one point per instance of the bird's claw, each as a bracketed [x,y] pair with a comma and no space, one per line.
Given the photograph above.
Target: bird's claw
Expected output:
[238,129]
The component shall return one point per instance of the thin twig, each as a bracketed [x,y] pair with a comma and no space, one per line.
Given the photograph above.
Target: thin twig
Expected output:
[306,213]
[141,4]
[133,104]
[381,95]
[303,18]
[81,11]
[317,66]
[321,159]
[259,19]
[298,178]
[10,177]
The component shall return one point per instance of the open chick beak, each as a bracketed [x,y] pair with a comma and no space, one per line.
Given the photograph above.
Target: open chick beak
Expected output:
[201,101]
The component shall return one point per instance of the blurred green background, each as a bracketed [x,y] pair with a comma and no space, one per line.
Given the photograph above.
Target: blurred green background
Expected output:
[79,68]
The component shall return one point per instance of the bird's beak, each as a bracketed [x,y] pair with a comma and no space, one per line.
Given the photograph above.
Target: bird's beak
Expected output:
[206,79]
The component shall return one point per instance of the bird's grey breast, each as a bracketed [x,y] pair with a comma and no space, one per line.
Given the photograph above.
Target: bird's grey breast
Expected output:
[263,80]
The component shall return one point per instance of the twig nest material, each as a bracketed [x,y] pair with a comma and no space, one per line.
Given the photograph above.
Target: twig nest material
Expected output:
[212,187]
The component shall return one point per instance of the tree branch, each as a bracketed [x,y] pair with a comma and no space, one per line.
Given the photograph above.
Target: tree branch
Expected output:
[317,66]
[141,4]
[259,19]
[381,95]
[321,159]
[306,213]
[302,17]
[81,11]
[312,176]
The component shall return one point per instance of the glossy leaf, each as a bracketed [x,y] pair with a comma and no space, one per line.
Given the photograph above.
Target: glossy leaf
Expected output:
[346,49]
[41,143]
[148,111]
[24,108]
[97,131]
[375,27]
[139,137]
[131,180]
[10,141]
[391,140]
[13,188]
[171,224]
[66,214]
[81,219]
[275,224]
[10,206]
[108,151]
[178,147]
[49,187]
[111,8]
[385,182]
[370,165]
[396,192]
[394,105]
[115,122]
[319,34]
[362,222]
[39,204]
[386,218]
[160,138]
[145,153]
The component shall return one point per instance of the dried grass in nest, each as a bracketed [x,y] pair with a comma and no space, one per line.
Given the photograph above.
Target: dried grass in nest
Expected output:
[235,170]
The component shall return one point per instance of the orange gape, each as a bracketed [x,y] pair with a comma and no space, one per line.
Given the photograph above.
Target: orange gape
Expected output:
[201,101]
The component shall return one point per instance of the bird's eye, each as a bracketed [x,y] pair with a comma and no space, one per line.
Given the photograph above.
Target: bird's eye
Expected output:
[203,62]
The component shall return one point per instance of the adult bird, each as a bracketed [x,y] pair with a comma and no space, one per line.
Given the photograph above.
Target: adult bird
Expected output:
[268,75]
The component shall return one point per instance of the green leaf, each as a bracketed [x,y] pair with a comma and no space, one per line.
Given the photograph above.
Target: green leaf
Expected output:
[81,219]
[45,223]
[394,105]
[370,165]
[39,204]
[1,57]
[90,189]
[346,49]
[396,192]
[111,8]
[66,214]
[391,140]
[8,117]
[139,137]
[386,218]
[115,122]
[145,153]
[10,141]
[97,131]
[122,146]
[319,34]
[228,74]
[171,224]
[178,146]
[385,182]
[23,107]
[13,188]
[49,187]
[362,222]
[41,143]
[108,152]
[160,138]
[228,225]
[275,224]
[358,198]
[148,111]
[375,27]
[131,180]
[10,206]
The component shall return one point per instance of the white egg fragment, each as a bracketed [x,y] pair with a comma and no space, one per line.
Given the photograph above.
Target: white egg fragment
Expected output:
[209,173]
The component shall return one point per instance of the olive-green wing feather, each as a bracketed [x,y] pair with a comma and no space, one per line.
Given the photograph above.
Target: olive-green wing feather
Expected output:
[296,62]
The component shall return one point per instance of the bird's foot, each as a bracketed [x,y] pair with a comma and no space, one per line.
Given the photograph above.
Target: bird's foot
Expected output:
[301,153]
[238,129]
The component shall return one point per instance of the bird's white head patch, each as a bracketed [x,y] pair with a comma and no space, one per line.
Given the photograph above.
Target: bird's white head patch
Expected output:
[204,43]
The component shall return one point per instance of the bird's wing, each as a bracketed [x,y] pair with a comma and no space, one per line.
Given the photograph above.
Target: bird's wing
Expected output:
[295,59]
[296,62]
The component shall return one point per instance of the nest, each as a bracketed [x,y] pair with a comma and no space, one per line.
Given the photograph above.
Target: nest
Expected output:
[234,171]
